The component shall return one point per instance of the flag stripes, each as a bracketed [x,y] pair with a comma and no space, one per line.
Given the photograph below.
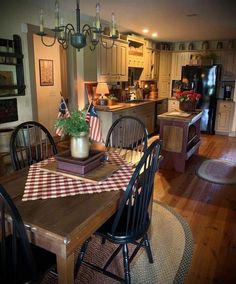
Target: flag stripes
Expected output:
[95,125]
[63,113]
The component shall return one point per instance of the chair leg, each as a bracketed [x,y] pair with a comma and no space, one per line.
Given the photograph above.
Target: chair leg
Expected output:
[81,255]
[103,241]
[126,264]
[148,248]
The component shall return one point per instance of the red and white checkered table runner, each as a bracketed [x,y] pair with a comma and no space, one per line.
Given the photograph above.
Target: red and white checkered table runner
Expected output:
[42,185]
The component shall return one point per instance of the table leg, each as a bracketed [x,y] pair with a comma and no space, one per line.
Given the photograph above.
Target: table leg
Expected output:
[65,269]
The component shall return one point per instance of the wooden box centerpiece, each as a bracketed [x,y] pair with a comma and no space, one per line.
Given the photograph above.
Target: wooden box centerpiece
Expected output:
[66,162]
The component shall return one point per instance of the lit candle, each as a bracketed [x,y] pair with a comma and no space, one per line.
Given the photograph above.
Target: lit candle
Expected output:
[62,35]
[113,25]
[41,21]
[93,33]
[98,24]
[56,14]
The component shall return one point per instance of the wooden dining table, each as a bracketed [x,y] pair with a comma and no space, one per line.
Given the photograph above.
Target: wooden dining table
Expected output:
[61,225]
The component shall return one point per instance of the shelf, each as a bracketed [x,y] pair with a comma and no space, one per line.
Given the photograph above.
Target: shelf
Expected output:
[12,78]
[12,87]
[14,55]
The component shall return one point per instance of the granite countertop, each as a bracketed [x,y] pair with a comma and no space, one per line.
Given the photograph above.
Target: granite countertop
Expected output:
[127,105]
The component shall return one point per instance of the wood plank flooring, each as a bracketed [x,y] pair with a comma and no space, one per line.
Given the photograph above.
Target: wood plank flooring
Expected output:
[210,210]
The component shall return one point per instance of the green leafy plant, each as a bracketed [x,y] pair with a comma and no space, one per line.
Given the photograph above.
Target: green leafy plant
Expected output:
[112,97]
[75,124]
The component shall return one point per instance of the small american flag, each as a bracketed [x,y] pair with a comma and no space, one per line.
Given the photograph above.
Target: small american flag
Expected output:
[94,122]
[63,113]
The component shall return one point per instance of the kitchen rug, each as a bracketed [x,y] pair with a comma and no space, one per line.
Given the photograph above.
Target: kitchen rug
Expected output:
[218,171]
[172,247]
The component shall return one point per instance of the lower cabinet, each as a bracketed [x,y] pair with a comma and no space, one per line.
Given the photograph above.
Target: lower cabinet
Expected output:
[145,112]
[224,117]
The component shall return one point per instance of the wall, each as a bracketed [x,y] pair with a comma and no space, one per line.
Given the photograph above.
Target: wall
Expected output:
[48,97]
[14,15]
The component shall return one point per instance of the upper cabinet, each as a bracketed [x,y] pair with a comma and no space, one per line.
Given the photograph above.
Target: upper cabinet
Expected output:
[11,67]
[227,59]
[136,52]
[179,59]
[107,64]
[151,66]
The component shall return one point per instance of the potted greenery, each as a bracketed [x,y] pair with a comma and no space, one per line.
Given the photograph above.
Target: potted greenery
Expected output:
[112,100]
[77,128]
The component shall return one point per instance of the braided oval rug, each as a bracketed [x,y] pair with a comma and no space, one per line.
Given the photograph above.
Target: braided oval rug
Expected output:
[172,248]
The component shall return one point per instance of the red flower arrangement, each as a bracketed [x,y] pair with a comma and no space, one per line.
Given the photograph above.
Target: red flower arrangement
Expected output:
[187,96]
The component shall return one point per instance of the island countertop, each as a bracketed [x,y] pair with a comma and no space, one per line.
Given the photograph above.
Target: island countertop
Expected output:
[127,105]
[181,116]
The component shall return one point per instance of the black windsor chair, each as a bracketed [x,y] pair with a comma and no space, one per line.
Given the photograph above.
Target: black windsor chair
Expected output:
[129,137]
[21,262]
[131,222]
[30,143]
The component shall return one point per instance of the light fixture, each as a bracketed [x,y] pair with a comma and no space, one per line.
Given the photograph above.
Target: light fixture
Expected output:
[78,38]
[102,89]
[145,31]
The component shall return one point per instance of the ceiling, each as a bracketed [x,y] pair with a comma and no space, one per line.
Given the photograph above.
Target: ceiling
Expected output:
[173,20]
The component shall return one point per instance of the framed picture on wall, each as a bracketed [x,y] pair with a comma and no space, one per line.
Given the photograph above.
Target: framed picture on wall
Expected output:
[46,72]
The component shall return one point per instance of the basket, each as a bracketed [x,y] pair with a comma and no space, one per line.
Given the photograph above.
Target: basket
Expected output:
[187,106]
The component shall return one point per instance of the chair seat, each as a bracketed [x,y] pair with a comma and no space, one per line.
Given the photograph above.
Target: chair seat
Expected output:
[121,236]
[44,261]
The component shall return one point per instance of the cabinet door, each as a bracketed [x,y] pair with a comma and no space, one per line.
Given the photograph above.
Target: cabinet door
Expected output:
[148,64]
[114,73]
[224,116]
[156,61]
[122,62]
[163,88]
[228,61]
[164,74]
[179,59]
[104,62]
[165,64]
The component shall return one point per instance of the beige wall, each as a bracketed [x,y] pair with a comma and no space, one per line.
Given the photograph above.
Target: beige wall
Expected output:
[48,97]
[14,17]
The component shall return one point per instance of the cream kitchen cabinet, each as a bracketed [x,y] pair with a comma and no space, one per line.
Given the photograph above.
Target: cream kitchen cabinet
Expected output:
[148,65]
[164,74]
[224,117]
[145,112]
[173,105]
[156,61]
[227,59]
[179,59]
[106,65]
[151,66]
[119,62]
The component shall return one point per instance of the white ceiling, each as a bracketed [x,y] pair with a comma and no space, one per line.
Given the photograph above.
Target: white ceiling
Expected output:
[215,19]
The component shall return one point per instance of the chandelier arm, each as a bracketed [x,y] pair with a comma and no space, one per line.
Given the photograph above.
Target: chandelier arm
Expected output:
[51,44]
[108,47]
[69,28]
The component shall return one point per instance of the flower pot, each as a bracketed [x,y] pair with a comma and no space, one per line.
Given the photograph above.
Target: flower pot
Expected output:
[79,146]
[111,102]
[187,106]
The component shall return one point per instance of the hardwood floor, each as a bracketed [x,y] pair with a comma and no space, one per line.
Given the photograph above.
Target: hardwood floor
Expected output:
[210,210]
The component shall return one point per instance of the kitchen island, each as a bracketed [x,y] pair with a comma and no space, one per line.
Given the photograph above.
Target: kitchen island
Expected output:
[146,110]
[180,133]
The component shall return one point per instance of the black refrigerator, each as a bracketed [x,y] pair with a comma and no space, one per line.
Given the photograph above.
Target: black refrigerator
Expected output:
[203,80]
